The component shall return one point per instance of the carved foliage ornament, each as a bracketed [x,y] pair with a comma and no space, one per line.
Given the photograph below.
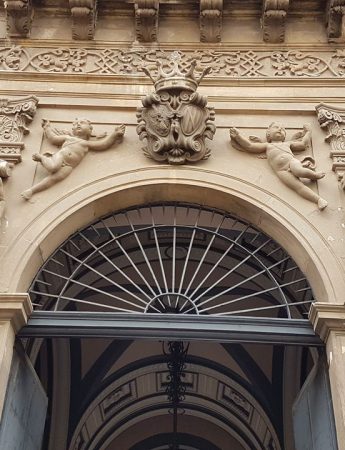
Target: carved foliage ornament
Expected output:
[211,20]
[19,15]
[333,120]
[15,115]
[175,120]
[84,15]
[273,20]
[146,20]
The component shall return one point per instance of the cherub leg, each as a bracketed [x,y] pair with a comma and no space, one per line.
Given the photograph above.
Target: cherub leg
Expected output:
[51,163]
[299,171]
[294,183]
[47,182]
[2,208]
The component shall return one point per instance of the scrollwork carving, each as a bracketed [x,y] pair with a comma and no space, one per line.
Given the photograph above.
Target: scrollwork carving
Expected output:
[15,116]
[146,20]
[175,120]
[84,16]
[19,15]
[273,20]
[332,119]
[211,12]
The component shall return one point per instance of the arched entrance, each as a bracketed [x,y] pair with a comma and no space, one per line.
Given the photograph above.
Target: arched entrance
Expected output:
[178,261]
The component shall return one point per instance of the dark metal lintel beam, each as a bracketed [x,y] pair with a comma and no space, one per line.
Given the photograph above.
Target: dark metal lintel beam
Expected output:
[171,327]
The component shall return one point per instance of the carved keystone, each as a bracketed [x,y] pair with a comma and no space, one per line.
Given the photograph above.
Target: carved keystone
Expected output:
[146,20]
[211,12]
[274,13]
[15,115]
[333,120]
[335,13]
[19,15]
[84,15]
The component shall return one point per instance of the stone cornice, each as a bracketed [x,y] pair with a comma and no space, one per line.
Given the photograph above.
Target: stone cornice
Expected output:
[15,308]
[326,317]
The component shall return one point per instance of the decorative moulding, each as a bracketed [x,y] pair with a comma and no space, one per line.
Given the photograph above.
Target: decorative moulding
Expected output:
[19,15]
[175,120]
[274,13]
[332,119]
[211,12]
[326,317]
[146,20]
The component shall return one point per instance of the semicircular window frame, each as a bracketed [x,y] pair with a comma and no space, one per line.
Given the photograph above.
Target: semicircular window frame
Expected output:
[176,258]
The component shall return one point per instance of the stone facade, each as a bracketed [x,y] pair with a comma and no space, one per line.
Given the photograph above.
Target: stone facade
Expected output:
[270,62]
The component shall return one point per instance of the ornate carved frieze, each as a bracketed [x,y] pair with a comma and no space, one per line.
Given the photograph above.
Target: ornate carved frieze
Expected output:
[335,14]
[211,12]
[229,63]
[146,20]
[175,120]
[19,15]
[84,15]
[274,13]
[333,120]
[15,115]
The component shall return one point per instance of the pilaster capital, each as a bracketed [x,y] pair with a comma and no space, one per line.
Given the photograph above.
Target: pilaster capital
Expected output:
[16,309]
[327,317]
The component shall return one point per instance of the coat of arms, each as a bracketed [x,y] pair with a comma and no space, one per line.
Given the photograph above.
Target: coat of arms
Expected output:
[175,120]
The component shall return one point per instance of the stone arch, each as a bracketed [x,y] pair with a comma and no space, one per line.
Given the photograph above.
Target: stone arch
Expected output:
[268,212]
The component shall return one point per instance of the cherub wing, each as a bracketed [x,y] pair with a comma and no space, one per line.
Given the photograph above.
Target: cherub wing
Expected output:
[299,135]
[58,132]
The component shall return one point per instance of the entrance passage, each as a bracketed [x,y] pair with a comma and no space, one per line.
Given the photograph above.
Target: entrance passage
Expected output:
[154,278]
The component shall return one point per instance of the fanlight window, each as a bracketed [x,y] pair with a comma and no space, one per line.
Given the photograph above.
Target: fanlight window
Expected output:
[172,258]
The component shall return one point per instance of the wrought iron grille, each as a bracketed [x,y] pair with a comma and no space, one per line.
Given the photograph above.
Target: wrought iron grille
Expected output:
[172,258]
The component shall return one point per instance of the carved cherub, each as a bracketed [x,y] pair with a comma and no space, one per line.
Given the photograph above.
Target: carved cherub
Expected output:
[74,147]
[280,156]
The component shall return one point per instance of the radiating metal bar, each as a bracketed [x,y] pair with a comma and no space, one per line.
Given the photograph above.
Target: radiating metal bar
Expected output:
[260,308]
[244,297]
[77,300]
[171,327]
[240,283]
[204,255]
[104,277]
[144,254]
[118,268]
[174,256]
[229,273]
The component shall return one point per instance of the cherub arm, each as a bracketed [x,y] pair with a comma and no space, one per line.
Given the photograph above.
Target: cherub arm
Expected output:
[246,144]
[52,136]
[108,141]
[304,142]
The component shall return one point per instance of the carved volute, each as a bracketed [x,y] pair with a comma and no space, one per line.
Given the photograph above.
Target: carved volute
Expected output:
[274,13]
[84,15]
[211,12]
[19,15]
[146,20]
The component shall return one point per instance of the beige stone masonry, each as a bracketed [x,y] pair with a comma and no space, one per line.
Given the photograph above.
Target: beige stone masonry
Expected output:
[329,322]
[14,312]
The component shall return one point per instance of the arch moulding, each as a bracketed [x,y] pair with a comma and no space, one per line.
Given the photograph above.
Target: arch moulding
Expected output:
[56,219]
